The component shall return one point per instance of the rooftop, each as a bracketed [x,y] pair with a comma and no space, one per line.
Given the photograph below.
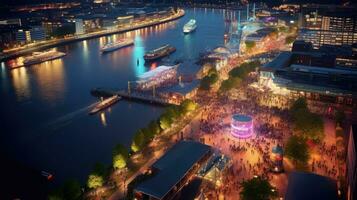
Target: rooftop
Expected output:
[309,186]
[172,167]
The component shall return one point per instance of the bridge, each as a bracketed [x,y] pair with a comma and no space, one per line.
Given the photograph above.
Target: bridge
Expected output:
[144,97]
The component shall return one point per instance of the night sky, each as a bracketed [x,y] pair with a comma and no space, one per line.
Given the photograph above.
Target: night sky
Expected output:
[23,2]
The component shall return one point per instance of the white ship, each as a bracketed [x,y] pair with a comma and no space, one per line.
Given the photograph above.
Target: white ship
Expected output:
[39,57]
[190,26]
[117,45]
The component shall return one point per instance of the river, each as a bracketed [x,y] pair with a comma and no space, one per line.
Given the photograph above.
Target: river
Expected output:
[44,108]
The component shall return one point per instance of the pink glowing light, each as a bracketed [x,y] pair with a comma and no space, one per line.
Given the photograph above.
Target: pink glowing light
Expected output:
[242,126]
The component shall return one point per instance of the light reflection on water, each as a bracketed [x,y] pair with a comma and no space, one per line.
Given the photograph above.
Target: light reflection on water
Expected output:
[103,120]
[20,81]
[50,78]
[138,54]
[58,91]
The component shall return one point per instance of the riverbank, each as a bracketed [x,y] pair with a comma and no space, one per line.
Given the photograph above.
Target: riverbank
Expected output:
[180,13]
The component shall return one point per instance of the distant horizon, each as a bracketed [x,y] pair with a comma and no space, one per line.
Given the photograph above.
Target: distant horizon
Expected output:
[28,2]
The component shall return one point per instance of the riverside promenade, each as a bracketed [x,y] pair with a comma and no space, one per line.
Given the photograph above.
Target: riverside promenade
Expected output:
[56,42]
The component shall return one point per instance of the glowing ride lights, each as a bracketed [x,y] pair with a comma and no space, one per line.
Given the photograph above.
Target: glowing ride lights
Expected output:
[242,126]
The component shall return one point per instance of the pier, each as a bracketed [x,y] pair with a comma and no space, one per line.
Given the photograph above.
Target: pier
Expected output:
[138,96]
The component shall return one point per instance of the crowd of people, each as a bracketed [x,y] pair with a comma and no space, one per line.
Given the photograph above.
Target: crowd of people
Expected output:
[253,156]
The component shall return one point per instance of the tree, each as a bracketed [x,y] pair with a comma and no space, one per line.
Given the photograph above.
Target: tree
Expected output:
[309,125]
[209,80]
[148,134]
[290,39]
[56,194]
[297,150]
[230,83]
[119,161]
[283,29]
[95,181]
[257,188]
[173,112]
[70,190]
[244,69]
[100,169]
[250,45]
[138,141]
[299,104]
[165,121]
[120,157]
[154,127]
[187,106]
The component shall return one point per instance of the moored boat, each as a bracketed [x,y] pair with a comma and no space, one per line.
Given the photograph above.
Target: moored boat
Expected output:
[159,53]
[117,45]
[39,57]
[190,26]
[105,104]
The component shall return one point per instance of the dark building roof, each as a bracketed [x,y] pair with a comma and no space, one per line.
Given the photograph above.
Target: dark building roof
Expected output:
[309,186]
[172,167]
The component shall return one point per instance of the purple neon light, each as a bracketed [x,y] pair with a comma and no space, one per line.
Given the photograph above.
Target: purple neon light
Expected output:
[242,129]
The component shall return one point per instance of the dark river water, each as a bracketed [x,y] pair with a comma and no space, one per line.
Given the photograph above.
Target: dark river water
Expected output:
[44,108]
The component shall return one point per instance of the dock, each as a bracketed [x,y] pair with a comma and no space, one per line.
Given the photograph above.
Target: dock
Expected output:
[144,97]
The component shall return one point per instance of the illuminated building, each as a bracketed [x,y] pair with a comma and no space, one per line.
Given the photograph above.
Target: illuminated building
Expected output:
[34,34]
[328,25]
[79,26]
[37,33]
[23,36]
[10,21]
[242,126]
[170,173]
[312,74]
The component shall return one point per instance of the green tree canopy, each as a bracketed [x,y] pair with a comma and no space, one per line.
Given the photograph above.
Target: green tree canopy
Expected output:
[290,39]
[70,190]
[257,188]
[209,80]
[165,121]
[101,170]
[95,181]
[299,104]
[230,83]
[297,150]
[250,44]
[138,141]
[309,125]
[187,106]
[119,161]
[154,127]
[244,69]
[120,157]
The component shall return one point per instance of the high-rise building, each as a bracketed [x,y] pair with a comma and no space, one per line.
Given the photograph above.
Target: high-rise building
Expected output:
[79,26]
[328,25]
[37,33]
[23,36]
